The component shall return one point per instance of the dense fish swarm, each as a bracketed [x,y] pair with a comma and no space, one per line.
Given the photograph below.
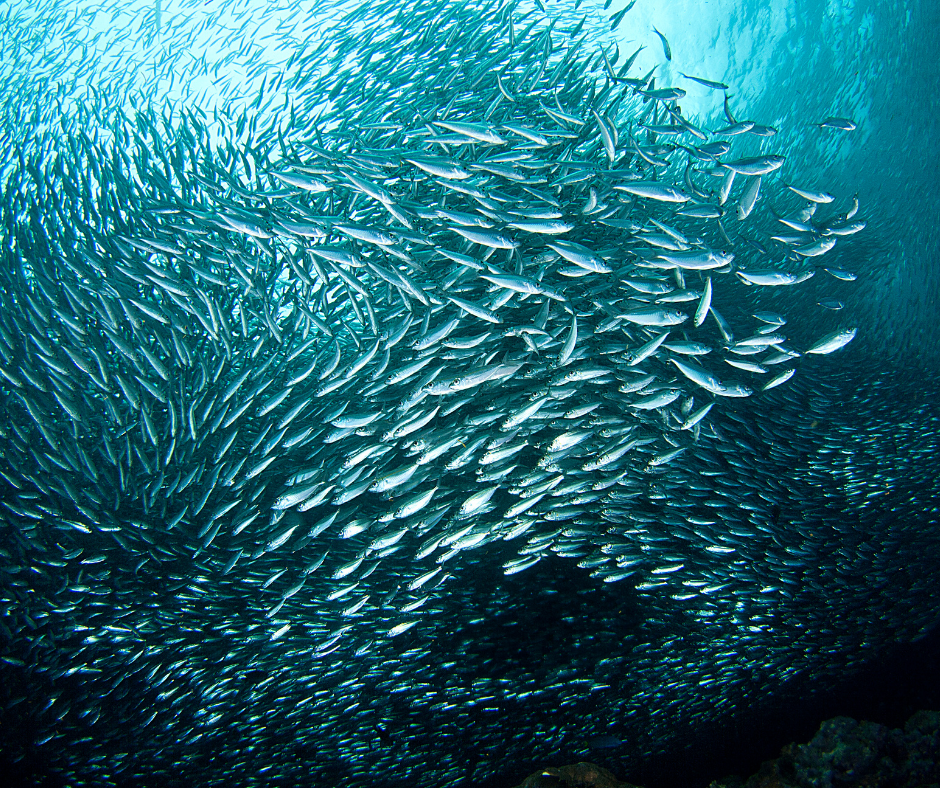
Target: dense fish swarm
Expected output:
[429,389]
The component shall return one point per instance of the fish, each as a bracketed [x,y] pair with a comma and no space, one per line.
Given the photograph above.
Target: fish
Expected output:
[709,83]
[842,124]
[605,742]
[654,190]
[667,50]
[812,196]
[704,304]
[361,375]
[774,278]
[755,165]
[617,18]
[832,342]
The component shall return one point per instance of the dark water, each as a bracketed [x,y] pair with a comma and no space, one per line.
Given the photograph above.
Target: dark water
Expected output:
[508,673]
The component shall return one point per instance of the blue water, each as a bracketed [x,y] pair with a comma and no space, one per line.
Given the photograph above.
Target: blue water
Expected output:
[790,64]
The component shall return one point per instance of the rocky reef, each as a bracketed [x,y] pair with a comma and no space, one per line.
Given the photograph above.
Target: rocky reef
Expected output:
[844,753]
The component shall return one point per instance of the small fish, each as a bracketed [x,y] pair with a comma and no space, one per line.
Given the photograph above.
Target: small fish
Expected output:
[773,278]
[706,82]
[617,18]
[813,196]
[667,50]
[843,124]
[339,385]
[653,190]
[832,342]
[605,742]
[704,304]
[757,165]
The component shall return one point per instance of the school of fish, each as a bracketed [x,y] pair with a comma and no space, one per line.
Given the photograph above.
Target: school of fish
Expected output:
[424,392]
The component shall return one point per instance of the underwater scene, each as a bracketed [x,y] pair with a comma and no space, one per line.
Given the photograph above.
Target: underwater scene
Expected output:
[418,393]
